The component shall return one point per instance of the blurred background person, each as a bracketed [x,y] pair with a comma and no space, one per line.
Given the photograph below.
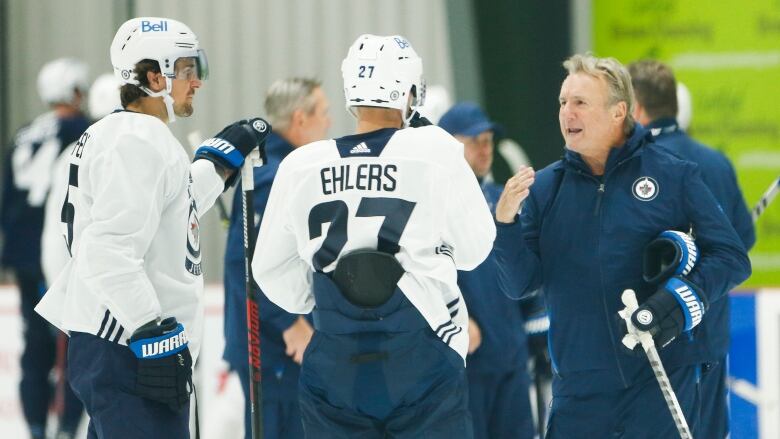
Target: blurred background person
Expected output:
[498,347]
[655,108]
[62,85]
[298,111]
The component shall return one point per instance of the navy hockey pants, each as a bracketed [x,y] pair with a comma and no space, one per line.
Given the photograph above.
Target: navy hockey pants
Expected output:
[379,373]
[714,400]
[103,375]
[281,418]
[500,404]
[638,412]
[38,359]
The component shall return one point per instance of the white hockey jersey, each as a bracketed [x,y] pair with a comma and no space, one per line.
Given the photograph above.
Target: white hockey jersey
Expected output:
[409,191]
[134,203]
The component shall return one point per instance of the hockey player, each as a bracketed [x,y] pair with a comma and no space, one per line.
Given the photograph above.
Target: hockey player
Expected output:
[656,106]
[498,349]
[62,85]
[130,296]
[581,236]
[371,229]
[298,110]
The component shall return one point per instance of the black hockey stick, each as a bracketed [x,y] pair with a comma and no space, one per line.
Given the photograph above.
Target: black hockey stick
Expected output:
[767,198]
[252,309]
[195,139]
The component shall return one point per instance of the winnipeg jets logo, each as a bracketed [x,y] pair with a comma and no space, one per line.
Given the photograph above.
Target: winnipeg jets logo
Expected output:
[645,188]
[259,126]
[361,148]
[192,259]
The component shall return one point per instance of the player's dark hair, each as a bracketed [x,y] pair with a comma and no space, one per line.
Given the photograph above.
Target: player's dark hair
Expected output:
[130,93]
[655,88]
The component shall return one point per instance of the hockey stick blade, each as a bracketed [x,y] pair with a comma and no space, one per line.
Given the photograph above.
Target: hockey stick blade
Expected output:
[634,337]
[767,198]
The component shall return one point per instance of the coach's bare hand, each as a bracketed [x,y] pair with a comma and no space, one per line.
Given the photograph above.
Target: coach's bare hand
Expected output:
[296,338]
[515,192]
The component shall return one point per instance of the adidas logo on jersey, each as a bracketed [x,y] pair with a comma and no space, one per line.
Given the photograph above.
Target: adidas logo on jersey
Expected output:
[361,148]
[220,144]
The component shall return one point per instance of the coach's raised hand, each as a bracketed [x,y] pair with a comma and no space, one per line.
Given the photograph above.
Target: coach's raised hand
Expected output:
[515,192]
[229,147]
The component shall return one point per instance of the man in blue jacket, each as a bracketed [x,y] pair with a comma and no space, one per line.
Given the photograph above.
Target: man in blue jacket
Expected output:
[581,235]
[62,86]
[656,106]
[498,346]
[298,111]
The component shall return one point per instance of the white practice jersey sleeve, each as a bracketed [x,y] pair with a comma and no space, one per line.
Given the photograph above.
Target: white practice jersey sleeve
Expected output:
[135,202]
[412,194]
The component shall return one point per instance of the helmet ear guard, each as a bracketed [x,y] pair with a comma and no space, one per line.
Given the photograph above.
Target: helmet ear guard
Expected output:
[383,72]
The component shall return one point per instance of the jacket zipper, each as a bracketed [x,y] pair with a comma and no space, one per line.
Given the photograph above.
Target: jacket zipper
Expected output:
[599,197]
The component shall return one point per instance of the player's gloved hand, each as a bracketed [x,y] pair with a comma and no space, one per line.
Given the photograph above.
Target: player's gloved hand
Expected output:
[418,120]
[672,253]
[676,307]
[164,363]
[229,147]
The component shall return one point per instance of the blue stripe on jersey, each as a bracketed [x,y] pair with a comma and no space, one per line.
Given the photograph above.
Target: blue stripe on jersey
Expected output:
[366,144]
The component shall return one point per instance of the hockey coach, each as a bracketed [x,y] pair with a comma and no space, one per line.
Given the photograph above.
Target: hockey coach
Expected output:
[614,214]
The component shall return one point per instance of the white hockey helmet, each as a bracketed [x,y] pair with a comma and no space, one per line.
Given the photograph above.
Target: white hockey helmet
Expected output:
[684,106]
[103,96]
[382,72]
[59,79]
[160,39]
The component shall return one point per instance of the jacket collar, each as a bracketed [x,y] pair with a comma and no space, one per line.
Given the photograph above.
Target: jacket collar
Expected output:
[276,148]
[638,138]
[664,125]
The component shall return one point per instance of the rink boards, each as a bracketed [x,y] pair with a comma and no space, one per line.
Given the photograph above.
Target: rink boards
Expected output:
[754,367]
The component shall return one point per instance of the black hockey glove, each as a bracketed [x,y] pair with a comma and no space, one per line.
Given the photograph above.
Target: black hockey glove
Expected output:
[672,253]
[676,307]
[229,147]
[418,120]
[164,363]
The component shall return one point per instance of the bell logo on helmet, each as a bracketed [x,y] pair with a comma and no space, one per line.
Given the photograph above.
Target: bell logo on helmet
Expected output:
[148,26]
[403,44]
[394,95]
[126,74]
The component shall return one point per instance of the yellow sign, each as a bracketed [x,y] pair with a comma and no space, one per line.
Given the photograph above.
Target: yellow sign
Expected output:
[728,54]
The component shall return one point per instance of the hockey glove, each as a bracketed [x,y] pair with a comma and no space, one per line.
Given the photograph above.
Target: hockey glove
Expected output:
[677,307]
[673,253]
[229,147]
[164,363]
[418,120]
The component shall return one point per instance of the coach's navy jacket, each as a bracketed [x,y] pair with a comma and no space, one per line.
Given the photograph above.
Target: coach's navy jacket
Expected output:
[720,178]
[504,344]
[280,372]
[581,238]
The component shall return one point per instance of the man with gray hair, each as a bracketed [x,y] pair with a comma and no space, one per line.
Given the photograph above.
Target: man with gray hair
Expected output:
[298,110]
[582,236]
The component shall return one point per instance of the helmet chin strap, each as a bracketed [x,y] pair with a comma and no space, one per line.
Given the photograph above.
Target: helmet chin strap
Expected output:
[166,95]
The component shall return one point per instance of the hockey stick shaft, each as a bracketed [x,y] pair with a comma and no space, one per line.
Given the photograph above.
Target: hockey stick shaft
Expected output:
[195,139]
[635,336]
[666,389]
[767,198]
[252,308]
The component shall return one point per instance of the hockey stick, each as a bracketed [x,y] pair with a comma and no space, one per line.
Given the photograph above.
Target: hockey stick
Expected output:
[767,198]
[252,309]
[634,337]
[195,139]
